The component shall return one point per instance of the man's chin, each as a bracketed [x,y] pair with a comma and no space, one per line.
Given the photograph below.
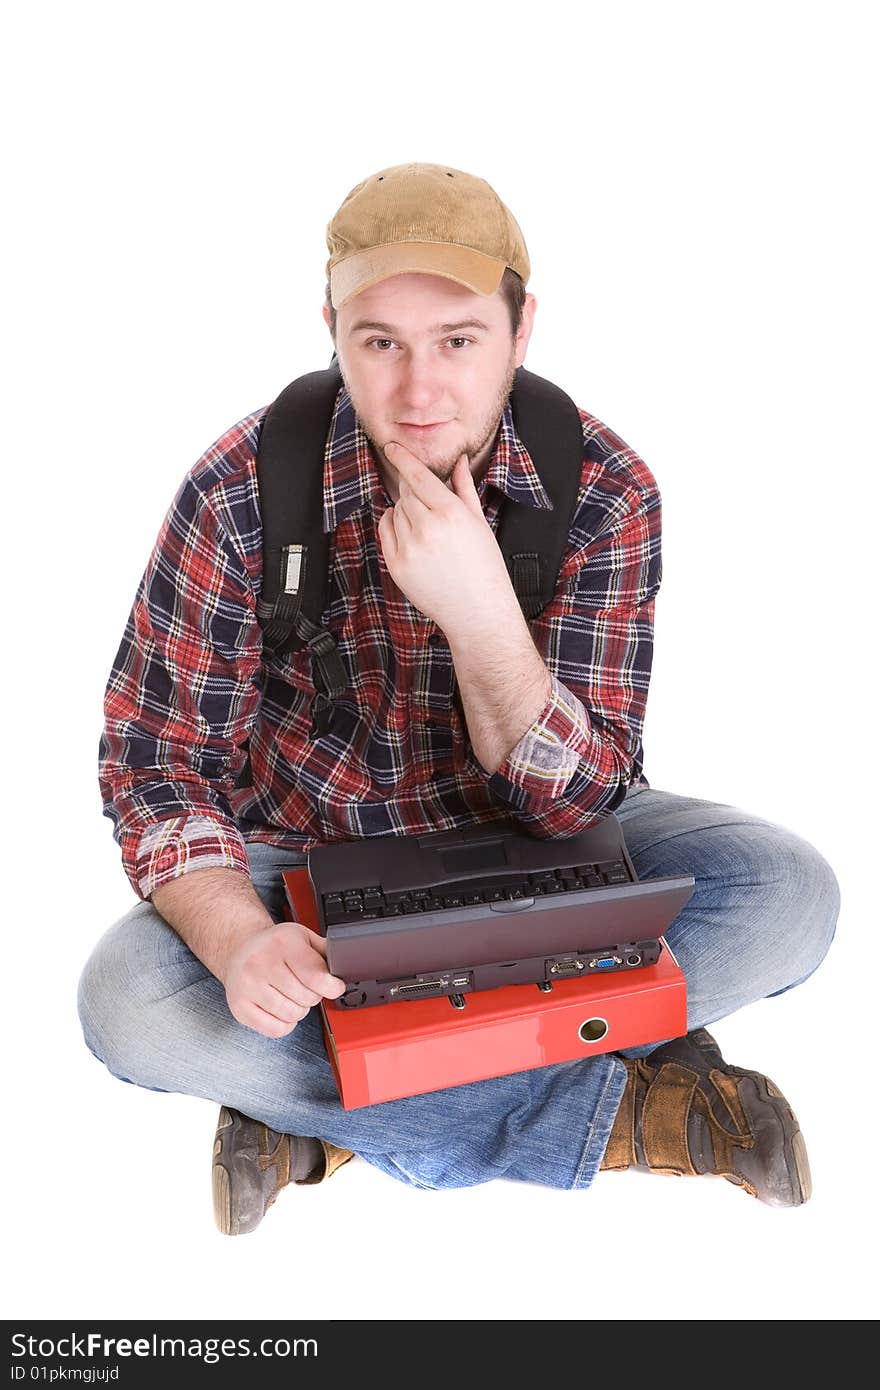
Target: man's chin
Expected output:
[442,468]
[443,471]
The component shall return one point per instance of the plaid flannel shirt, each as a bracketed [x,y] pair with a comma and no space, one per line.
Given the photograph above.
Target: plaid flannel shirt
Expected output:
[190,685]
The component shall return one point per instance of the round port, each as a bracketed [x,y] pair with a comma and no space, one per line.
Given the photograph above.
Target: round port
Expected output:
[634,960]
[352,999]
[592,1030]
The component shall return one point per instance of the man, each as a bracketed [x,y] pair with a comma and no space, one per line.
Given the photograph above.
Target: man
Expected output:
[457,711]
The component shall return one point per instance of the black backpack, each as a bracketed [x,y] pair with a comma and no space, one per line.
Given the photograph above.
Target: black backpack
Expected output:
[290,477]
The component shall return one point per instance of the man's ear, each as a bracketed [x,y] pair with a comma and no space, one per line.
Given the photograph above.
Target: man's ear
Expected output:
[530,304]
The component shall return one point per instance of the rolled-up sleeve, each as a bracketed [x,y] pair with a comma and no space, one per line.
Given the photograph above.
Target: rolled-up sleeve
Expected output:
[182,697]
[577,760]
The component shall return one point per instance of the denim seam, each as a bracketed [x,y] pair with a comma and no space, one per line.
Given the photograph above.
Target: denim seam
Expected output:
[599,1114]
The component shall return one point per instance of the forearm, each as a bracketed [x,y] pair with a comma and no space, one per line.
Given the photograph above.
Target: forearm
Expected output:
[504,683]
[213,911]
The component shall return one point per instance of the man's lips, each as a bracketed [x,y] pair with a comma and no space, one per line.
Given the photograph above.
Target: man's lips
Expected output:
[424,429]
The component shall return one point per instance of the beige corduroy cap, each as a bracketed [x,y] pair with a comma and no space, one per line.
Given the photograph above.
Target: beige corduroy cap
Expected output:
[423,217]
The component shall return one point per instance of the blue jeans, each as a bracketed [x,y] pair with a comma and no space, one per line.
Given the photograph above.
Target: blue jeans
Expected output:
[759,922]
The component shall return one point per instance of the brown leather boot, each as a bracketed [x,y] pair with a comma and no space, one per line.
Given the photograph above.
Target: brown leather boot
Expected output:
[686,1111]
[251,1164]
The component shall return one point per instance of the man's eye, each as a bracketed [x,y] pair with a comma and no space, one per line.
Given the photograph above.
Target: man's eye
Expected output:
[375,342]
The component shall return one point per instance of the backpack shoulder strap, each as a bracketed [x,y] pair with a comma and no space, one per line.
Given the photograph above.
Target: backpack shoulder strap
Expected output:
[533,539]
[290,478]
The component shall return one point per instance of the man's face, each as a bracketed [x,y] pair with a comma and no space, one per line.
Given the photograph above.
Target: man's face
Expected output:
[409,356]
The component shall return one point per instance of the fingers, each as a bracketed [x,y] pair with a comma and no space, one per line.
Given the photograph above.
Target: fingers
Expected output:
[275,1012]
[426,486]
[388,536]
[309,974]
[283,1001]
[261,1021]
[403,527]
[288,1006]
[281,976]
[410,499]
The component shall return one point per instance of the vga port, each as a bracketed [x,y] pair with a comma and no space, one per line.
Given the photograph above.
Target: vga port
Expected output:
[605,962]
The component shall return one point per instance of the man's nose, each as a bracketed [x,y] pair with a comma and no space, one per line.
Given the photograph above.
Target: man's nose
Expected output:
[421,384]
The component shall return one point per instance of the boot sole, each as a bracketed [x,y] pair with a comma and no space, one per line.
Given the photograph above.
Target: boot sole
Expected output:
[794,1149]
[222,1201]
[220,1182]
[242,1189]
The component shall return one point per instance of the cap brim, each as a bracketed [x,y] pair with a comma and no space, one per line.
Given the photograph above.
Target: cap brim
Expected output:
[482,274]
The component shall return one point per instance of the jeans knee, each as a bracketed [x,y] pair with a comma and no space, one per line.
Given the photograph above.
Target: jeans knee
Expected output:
[813,895]
[763,920]
[97,1000]
[113,996]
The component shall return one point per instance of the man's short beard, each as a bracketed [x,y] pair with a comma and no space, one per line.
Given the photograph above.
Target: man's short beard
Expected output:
[444,470]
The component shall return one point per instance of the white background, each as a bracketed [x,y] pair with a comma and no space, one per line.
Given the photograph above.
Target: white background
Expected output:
[694,183]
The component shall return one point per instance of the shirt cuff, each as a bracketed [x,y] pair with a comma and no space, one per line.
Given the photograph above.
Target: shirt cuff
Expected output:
[174,847]
[539,768]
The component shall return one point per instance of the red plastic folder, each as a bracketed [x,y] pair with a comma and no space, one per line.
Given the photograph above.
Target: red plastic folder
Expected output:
[404,1049]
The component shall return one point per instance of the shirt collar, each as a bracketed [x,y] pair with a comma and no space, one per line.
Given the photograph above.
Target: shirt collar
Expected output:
[351,476]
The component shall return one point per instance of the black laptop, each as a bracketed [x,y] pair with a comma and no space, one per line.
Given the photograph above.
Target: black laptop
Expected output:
[448,912]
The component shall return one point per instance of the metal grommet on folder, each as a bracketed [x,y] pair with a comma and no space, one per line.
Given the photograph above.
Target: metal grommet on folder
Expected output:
[593,1030]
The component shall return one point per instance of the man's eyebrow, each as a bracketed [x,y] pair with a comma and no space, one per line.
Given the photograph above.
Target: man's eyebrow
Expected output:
[435,328]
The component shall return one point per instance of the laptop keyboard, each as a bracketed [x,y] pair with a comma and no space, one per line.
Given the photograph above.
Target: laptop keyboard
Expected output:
[364,904]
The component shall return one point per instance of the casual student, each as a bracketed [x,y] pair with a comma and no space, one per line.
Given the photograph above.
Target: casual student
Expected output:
[457,711]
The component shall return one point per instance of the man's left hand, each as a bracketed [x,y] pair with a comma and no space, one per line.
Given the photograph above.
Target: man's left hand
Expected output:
[439,548]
